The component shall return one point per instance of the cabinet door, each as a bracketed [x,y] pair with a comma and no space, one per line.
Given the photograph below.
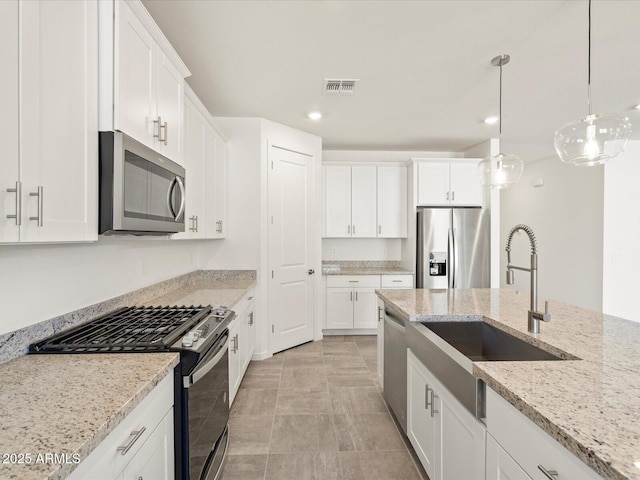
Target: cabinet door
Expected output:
[9,160]
[392,202]
[380,342]
[217,175]
[155,459]
[500,466]
[365,308]
[194,128]
[364,202]
[339,308]
[59,120]
[422,425]
[433,183]
[250,334]
[337,201]
[462,436]
[169,108]
[135,77]
[465,186]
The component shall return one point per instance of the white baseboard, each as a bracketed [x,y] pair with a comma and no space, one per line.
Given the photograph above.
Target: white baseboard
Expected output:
[261,356]
[351,331]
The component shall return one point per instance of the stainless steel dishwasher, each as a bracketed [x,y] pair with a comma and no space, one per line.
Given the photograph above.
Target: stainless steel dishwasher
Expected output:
[395,366]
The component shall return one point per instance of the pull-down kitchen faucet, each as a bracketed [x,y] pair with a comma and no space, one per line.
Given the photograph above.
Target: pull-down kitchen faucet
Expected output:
[534,315]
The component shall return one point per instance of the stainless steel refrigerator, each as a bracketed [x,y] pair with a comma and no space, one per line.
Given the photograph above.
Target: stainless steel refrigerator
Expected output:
[453,248]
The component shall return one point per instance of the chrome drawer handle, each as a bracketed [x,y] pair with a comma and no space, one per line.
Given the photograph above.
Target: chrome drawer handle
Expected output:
[396,281]
[133,438]
[18,192]
[550,474]
[40,195]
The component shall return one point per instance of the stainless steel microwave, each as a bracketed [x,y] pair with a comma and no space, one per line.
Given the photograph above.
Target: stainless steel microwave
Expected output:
[141,191]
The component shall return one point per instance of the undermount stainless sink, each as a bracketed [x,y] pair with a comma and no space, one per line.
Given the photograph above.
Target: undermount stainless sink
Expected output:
[481,342]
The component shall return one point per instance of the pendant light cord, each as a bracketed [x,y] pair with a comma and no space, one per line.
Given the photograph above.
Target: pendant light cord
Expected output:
[589,62]
[500,108]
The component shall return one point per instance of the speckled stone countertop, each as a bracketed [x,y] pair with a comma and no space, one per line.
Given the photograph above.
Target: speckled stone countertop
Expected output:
[591,406]
[66,404]
[364,268]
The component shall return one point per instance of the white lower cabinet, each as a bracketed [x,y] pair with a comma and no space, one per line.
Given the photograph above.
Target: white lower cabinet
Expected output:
[448,440]
[380,342]
[500,465]
[140,447]
[241,341]
[527,445]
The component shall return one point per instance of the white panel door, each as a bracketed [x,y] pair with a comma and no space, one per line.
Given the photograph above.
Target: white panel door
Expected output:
[59,120]
[169,108]
[363,201]
[337,201]
[365,308]
[422,420]
[135,78]
[292,247]
[340,307]
[462,436]
[465,185]
[9,160]
[500,466]
[193,162]
[433,183]
[392,201]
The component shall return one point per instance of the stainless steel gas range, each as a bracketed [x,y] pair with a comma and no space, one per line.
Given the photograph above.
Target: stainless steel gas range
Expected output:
[201,394]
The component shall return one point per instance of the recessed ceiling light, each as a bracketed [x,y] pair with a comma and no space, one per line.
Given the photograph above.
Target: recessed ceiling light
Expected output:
[492,120]
[637,107]
[315,115]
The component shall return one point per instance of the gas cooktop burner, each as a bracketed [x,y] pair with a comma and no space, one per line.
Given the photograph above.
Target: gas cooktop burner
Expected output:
[131,329]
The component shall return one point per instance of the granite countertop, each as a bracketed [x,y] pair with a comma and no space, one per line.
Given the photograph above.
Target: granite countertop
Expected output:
[66,404]
[364,268]
[69,403]
[590,405]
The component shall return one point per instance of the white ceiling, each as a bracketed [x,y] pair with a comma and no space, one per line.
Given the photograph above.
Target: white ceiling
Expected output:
[426,81]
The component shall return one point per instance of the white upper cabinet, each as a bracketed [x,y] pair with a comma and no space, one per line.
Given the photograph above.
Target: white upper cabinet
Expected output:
[449,183]
[392,201]
[337,195]
[205,161]
[50,186]
[141,79]
[365,201]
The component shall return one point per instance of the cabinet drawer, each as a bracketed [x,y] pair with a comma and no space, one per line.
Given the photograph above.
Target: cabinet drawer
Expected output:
[241,306]
[529,445]
[106,462]
[397,281]
[370,281]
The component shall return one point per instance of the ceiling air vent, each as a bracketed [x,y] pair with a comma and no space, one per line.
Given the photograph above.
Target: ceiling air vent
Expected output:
[339,86]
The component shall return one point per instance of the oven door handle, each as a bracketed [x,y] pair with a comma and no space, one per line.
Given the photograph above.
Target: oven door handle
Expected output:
[190,380]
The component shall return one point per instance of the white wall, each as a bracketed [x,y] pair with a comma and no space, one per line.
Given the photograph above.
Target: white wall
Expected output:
[566,215]
[39,282]
[621,253]
[359,249]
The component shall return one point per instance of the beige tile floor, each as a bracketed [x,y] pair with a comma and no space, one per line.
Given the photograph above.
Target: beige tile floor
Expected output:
[316,412]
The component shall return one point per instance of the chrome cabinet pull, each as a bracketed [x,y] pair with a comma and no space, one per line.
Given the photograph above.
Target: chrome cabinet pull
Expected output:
[40,196]
[235,343]
[193,224]
[447,195]
[133,438]
[219,226]
[349,229]
[379,229]
[550,474]
[353,229]
[251,319]
[351,297]
[160,126]
[197,226]
[453,196]
[18,192]
[433,402]
[379,312]
[426,396]
[429,403]
[356,296]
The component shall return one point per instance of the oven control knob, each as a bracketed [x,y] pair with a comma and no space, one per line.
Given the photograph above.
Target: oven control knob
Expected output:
[187,340]
[221,310]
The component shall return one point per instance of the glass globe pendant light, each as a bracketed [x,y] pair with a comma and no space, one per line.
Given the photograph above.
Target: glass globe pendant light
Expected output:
[593,139]
[502,170]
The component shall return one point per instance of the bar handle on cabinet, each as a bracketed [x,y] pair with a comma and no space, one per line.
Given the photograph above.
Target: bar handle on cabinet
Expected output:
[379,229]
[166,132]
[351,296]
[349,229]
[356,296]
[550,474]
[133,438]
[453,196]
[353,229]
[157,123]
[18,192]
[40,195]
[447,195]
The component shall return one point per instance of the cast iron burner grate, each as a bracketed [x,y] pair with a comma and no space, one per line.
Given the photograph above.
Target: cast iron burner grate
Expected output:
[130,329]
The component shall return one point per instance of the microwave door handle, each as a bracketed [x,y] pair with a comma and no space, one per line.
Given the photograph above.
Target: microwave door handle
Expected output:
[182,198]
[172,185]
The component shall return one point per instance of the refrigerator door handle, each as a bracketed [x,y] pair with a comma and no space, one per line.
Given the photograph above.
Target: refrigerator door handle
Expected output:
[452,259]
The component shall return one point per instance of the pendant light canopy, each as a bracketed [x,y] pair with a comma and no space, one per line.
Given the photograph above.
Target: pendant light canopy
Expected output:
[593,139]
[502,170]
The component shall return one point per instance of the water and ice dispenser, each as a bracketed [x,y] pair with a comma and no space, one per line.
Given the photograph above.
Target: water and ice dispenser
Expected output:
[438,264]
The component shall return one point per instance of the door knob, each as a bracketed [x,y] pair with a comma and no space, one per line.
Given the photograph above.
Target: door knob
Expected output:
[311,271]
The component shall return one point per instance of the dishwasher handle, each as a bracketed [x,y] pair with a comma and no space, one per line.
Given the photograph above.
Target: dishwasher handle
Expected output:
[393,321]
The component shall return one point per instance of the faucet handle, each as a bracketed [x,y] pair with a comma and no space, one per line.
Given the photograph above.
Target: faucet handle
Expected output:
[547,316]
